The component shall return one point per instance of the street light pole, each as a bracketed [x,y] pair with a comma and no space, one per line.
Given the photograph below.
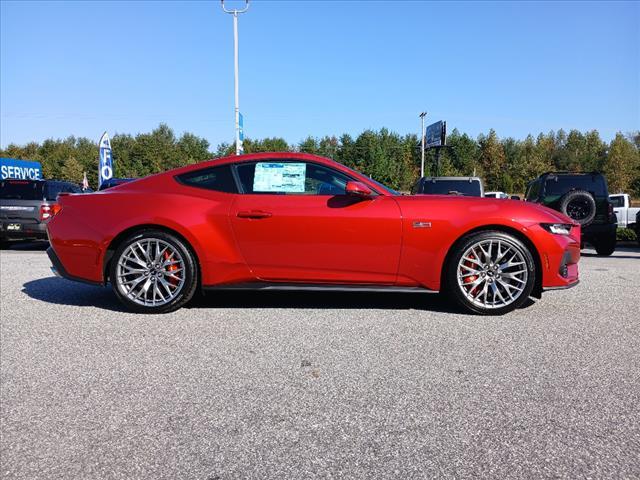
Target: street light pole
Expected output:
[422,115]
[235,13]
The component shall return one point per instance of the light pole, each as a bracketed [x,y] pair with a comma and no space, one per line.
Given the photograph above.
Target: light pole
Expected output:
[422,115]
[235,13]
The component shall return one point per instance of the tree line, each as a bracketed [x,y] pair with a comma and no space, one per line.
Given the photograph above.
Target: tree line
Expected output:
[505,164]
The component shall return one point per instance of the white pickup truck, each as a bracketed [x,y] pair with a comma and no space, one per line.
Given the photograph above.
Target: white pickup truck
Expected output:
[625,214]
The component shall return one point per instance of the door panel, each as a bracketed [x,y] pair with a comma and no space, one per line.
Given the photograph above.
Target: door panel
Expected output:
[319,238]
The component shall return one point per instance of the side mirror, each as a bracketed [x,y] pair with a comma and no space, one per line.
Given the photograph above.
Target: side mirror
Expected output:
[357,189]
[514,197]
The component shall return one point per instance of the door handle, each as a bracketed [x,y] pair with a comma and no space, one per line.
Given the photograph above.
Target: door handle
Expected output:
[257,214]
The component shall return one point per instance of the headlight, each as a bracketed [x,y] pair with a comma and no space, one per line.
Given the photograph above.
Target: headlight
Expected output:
[557,228]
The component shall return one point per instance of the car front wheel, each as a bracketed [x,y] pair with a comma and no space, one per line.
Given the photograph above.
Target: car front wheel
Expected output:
[153,272]
[490,273]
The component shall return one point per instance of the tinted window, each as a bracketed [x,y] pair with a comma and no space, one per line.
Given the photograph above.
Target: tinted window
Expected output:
[559,185]
[444,187]
[617,201]
[532,191]
[219,179]
[293,178]
[21,190]
[52,189]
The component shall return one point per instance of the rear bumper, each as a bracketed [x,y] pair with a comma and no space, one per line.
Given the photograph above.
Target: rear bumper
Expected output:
[599,231]
[58,269]
[29,230]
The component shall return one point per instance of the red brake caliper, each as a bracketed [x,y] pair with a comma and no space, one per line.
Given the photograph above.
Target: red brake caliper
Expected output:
[171,268]
[471,278]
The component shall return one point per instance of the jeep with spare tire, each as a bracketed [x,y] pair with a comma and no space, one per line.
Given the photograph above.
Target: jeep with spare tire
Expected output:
[584,198]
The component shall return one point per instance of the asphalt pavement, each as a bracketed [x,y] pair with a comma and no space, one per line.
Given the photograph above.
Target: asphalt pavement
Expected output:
[288,385]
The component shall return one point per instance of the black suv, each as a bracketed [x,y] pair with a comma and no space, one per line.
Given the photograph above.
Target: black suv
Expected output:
[582,197]
[26,207]
[467,186]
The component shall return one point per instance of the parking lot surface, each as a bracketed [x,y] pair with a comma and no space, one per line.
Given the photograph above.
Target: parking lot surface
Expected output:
[291,385]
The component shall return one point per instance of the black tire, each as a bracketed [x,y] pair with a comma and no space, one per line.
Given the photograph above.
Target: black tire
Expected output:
[455,291]
[579,205]
[183,294]
[4,244]
[605,246]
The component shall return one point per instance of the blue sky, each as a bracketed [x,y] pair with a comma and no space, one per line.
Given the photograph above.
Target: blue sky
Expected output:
[79,68]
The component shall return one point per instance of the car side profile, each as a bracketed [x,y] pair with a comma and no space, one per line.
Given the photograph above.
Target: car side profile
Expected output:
[299,221]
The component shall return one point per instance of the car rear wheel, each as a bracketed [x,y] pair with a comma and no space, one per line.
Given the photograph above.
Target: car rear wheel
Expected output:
[490,273]
[153,272]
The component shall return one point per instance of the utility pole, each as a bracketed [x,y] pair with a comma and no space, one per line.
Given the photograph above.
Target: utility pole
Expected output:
[235,13]
[422,115]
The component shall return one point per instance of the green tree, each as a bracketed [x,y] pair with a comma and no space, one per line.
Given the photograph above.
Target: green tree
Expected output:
[622,165]
[492,159]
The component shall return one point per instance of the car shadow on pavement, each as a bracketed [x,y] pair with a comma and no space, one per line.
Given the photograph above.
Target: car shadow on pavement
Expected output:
[327,300]
[59,291]
[65,292]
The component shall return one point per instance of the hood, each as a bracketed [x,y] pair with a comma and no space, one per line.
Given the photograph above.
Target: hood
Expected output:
[489,208]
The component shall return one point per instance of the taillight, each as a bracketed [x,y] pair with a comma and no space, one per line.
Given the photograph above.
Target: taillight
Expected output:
[610,210]
[49,211]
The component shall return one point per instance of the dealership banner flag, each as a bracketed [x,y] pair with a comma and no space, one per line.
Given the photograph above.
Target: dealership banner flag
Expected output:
[105,166]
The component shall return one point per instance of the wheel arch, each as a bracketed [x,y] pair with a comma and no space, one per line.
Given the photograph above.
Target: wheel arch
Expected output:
[119,238]
[537,286]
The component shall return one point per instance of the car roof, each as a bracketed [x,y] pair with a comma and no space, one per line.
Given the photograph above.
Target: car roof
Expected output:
[468,179]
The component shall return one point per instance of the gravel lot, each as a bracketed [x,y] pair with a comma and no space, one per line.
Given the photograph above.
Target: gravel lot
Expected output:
[290,385]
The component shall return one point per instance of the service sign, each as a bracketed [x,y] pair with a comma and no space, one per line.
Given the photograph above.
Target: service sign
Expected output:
[435,135]
[20,169]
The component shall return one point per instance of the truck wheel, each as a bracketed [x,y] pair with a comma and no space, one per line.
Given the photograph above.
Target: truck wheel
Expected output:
[605,246]
[579,205]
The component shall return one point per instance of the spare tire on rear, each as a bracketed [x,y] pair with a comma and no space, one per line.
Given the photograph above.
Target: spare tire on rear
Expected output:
[579,205]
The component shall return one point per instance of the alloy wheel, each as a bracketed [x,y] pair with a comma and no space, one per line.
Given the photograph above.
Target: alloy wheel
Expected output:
[150,272]
[492,273]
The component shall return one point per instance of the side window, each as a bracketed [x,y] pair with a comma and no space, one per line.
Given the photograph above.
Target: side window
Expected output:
[52,189]
[292,178]
[219,179]
[533,191]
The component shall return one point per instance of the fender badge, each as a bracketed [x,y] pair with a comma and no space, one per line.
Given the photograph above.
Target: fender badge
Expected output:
[418,224]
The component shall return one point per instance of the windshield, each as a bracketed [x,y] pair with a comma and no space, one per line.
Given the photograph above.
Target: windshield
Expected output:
[21,190]
[378,184]
[465,187]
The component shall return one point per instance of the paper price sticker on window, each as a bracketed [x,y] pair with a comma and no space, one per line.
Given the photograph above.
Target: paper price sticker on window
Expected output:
[279,177]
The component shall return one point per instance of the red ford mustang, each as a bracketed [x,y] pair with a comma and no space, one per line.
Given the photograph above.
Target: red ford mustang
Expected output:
[295,221]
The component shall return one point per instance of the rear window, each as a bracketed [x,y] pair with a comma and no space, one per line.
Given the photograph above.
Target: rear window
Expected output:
[617,202]
[53,189]
[219,179]
[20,190]
[559,185]
[469,188]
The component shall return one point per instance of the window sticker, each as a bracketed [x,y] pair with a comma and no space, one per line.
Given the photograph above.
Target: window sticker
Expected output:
[279,177]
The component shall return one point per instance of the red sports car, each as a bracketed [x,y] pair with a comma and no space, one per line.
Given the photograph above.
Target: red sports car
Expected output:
[296,221]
